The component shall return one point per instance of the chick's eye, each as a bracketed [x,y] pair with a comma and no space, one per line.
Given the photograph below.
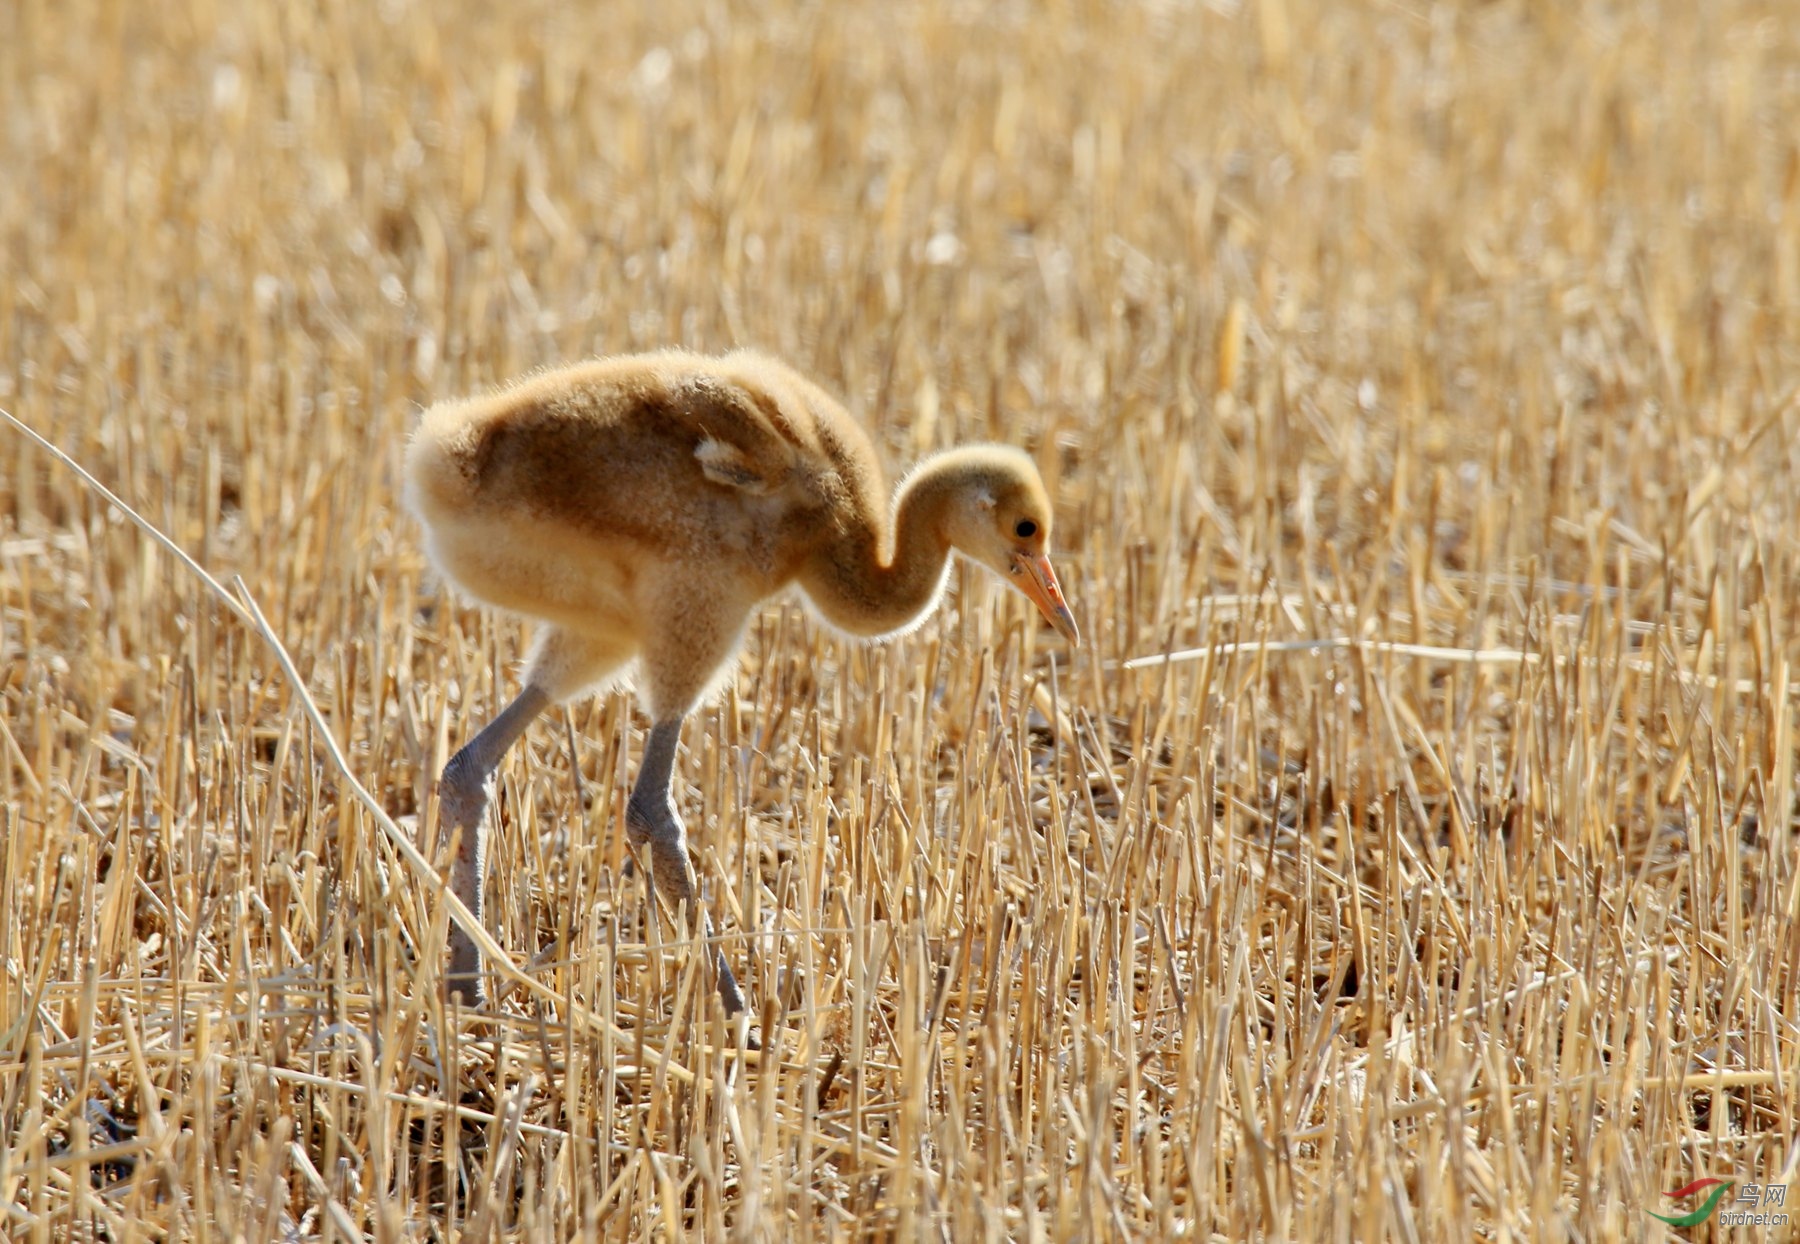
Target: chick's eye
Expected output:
[1026,529]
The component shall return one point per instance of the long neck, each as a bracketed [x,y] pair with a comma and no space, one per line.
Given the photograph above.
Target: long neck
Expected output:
[867,585]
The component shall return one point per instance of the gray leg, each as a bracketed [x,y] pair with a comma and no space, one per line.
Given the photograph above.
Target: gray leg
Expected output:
[462,804]
[650,818]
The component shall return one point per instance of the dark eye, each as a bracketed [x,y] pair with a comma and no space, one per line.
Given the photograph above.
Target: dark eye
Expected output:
[1026,529]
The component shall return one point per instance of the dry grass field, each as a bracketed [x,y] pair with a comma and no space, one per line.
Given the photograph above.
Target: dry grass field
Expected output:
[1426,372]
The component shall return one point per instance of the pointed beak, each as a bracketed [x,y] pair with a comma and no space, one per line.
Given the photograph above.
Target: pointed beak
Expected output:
[1036,579]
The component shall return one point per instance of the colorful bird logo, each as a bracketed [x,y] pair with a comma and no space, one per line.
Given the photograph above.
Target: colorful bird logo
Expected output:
[1711,1203]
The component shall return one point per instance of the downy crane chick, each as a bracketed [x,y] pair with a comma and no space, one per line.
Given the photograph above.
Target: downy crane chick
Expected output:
[641,507]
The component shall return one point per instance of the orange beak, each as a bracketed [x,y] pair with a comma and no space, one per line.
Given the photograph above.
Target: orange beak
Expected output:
[1034,577]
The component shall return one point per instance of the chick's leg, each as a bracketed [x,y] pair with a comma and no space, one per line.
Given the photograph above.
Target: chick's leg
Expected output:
[462,805]
[650,818]
[563,664]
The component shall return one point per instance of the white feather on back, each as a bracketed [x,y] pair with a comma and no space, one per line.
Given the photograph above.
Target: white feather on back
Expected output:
[724,463]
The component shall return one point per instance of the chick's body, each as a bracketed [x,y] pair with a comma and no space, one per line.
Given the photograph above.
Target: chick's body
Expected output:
[627,498]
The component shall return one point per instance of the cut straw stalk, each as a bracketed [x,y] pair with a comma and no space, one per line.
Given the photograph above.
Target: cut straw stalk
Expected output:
[1424,652]
[1428,652]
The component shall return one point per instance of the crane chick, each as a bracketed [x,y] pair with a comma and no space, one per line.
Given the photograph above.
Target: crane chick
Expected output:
[641,507]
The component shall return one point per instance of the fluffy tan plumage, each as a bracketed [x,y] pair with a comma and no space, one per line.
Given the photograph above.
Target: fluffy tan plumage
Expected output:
[643,506]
